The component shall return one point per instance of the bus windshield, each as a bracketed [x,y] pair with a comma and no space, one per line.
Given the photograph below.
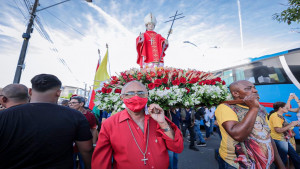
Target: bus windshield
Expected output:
[268,71]
[293,61]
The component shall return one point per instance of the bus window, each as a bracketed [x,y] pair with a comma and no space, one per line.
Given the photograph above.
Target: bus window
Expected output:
[239,74]
[228,76]
[293,60]
[268,71]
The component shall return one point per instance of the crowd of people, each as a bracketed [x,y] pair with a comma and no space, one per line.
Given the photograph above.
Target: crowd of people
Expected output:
[36,132]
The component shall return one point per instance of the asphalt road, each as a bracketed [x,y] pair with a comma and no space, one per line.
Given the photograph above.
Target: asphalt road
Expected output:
[203,159]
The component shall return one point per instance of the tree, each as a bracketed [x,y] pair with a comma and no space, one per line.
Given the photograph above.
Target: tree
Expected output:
[291,14]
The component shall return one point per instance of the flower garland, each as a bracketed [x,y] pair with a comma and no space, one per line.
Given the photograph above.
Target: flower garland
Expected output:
[168,87]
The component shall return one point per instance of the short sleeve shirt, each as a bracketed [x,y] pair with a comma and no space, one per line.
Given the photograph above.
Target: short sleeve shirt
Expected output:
[40,135]
[258,142]
[224,113]
[91,119]
[276,121]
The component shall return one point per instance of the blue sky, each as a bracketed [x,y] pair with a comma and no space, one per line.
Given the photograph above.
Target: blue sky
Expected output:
[78,29]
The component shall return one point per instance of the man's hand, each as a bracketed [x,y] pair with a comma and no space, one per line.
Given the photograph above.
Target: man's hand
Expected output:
[291,97]
[157,113]
[252,100]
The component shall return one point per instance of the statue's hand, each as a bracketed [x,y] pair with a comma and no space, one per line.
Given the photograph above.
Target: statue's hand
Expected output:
[166,42]
[141,37]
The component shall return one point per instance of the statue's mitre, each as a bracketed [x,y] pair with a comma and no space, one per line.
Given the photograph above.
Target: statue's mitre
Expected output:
[150,18]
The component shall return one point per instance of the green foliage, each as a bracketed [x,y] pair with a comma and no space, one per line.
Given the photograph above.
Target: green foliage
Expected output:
[291,14]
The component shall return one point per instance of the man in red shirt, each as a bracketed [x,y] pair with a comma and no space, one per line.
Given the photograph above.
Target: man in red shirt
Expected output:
[134,138]
[77,103]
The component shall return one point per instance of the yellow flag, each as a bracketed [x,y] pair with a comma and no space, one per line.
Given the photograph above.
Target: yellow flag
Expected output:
[101,73]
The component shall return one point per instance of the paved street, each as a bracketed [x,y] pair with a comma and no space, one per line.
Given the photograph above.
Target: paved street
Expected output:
[203,159]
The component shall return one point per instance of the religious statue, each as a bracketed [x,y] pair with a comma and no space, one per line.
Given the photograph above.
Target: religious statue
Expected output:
[150,46]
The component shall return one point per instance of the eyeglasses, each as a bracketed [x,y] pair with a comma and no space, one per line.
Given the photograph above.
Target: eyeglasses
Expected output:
[71,103]
[139,93]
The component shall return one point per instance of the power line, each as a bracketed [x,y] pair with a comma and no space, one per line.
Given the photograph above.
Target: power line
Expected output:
[45,35]
[65,23]
[20,9]
[27,5]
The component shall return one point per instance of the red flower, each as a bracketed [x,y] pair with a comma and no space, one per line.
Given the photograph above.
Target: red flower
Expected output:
[165,80]
[187,90]
[99,91]
[159,73]
[117,90]
[193,80]
[223,83]
[103,90]
[218,79]
[213,83]
[182,80]
[175,82]
[114,78]
[157,82]
[105,85]
[167,88]
[139,76]
[113,82]
[151,86]
[202,83]
[109,90]
[152,74]
[208,82]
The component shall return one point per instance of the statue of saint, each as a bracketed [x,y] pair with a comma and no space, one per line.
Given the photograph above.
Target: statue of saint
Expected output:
[149,45]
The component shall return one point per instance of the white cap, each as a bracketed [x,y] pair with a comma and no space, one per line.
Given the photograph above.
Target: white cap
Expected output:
[150,18]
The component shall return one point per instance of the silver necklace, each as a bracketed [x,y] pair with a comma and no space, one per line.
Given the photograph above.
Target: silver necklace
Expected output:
[144,159]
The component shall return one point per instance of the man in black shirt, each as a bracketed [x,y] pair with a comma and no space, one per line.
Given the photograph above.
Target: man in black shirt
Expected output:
[40,134]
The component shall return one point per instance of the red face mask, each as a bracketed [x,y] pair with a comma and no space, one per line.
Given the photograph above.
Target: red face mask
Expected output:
[136,103]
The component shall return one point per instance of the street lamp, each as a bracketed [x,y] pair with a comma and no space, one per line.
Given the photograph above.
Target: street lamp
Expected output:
[26,37]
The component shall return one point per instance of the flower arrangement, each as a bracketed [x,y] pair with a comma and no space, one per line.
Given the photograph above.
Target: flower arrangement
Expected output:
[168,87]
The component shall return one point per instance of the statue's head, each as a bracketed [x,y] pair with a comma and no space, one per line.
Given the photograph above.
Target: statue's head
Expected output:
[150,22]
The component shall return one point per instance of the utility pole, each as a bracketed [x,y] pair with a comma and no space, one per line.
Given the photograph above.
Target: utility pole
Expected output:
[26,37]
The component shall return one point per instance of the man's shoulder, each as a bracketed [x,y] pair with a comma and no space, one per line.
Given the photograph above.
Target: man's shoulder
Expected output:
[225,111]
[17,108]
[223,107]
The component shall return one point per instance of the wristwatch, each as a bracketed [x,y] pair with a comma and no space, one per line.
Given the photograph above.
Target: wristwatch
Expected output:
[166,129]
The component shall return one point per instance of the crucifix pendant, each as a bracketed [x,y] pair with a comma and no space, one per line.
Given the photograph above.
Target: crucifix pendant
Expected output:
[151,40]
[144,159]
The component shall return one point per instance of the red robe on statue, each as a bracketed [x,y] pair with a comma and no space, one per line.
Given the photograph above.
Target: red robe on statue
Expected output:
[150,49]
